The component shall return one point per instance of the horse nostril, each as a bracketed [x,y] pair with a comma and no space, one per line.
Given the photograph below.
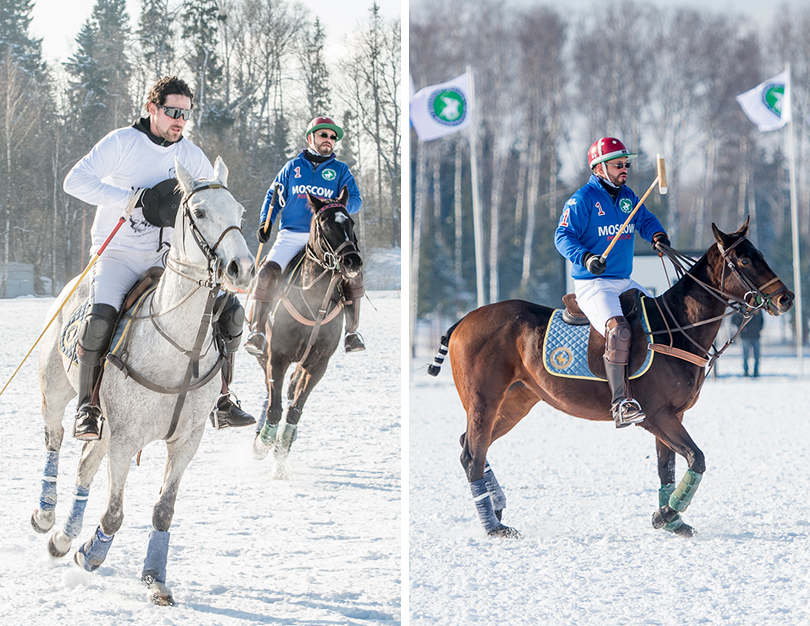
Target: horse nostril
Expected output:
[233,269]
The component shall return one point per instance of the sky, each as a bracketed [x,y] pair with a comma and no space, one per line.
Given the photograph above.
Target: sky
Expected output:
[58,22]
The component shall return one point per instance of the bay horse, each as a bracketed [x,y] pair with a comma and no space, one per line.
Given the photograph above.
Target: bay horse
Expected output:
[307,322]
[165,389]
[496,355]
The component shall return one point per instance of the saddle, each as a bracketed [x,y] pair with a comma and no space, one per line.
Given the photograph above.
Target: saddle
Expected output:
[572,348]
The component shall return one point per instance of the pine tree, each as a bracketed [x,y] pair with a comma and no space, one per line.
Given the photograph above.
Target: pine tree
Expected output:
[155,37]
[201,19]
[15,20]
[315,72]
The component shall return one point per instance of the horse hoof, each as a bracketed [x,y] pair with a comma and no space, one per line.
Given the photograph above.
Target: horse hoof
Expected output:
[260,449]
[685,530]
[42,521]
[663,516]
[505,531]
[159,594]
[59,544]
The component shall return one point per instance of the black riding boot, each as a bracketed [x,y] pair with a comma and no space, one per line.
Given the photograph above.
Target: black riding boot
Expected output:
[94,340]
[354,340]
[229,323]
[353,291]
[264,293]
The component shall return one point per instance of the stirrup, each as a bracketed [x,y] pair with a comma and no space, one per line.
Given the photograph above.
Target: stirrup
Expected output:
[354,342]
[88,424]
[256,344]
[626,412]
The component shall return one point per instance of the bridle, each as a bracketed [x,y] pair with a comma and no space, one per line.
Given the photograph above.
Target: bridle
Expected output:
[755,298]
[322,252]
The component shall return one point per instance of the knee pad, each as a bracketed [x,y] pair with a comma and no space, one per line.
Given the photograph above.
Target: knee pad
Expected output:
[618,336]
[230,321]
[266,280]
[353,288]
[96,332]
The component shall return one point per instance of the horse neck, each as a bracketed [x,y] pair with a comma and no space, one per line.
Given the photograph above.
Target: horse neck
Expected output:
[315,280]
[690,303]
[179,301]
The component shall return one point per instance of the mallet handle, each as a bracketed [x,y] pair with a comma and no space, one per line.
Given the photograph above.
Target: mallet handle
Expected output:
[627,221]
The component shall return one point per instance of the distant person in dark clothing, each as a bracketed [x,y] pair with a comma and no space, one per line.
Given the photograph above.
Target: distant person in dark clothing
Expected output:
[750,338]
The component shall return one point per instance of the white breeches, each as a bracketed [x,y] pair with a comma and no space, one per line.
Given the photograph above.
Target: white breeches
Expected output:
[599,298]
[116,271]
[288,244]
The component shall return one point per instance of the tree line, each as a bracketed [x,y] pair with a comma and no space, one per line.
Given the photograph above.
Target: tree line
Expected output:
[259,70]
[549,82]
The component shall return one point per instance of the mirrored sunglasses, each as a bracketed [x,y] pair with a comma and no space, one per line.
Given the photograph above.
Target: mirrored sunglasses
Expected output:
[621,166]
[175,112]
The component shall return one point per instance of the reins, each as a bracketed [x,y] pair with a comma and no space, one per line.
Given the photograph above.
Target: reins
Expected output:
[683,264]
[208,277]
[321,253]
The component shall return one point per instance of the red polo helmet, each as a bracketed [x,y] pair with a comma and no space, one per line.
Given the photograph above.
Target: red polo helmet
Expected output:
[606,149]
[324,122]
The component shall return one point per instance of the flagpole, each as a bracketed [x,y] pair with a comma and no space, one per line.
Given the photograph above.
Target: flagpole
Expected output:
[794,225]
[478,228]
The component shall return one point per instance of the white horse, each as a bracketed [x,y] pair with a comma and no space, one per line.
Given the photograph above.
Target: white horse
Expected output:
[172,351]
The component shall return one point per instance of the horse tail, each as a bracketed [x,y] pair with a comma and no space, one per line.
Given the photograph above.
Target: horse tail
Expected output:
[436,366]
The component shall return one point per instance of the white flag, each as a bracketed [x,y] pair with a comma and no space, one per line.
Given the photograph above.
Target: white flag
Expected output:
[768,104]
[444,109]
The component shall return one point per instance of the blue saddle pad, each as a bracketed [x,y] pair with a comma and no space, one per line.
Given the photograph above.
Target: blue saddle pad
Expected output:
[565,348]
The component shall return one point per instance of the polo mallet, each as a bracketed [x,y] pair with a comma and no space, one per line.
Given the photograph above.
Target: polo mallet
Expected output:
[261,244]
[121,220]
[661,181]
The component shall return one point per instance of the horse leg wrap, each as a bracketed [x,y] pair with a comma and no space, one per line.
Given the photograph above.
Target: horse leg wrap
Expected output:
[285,438]
[664,492]
[268,433]
[494,489]
[94,551]
[47,499]
[154,566]
[73,525]
[483,504]
[683,494]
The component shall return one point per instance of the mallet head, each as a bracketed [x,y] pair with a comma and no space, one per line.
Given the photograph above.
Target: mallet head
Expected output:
[662,175]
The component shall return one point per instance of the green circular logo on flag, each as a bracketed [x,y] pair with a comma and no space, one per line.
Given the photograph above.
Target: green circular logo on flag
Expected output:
[625,205]
[773,97]
[328,175]
[448,106]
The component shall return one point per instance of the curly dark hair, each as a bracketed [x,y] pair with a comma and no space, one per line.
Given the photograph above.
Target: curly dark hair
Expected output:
[167,86]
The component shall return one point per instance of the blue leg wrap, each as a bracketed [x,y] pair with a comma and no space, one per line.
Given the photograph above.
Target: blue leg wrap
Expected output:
[73,525]
[95,550]
[664,492]
[47,498]
[154,566]
[494,489]
[483,504]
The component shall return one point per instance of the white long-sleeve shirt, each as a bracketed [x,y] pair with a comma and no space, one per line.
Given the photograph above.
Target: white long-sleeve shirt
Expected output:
[122,161]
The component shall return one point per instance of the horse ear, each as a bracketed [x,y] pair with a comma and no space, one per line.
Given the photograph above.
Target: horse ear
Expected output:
[311,201]
[723,240]
[343,198]
[742,231]
[185,179]
[221,171]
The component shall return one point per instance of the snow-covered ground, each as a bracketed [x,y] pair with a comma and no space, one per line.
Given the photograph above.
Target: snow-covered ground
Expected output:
[323,547]
[582,494]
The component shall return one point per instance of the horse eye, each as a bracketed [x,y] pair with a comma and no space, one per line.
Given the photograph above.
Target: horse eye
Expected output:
[745,261]
[199,213]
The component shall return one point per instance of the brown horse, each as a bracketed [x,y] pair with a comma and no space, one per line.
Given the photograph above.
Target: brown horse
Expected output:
[496,353]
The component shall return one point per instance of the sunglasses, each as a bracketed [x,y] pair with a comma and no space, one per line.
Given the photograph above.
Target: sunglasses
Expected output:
[621,166]
[327,136]
[174,112]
